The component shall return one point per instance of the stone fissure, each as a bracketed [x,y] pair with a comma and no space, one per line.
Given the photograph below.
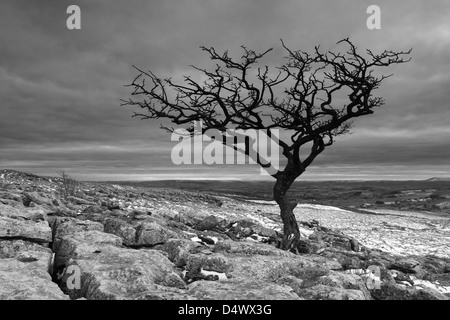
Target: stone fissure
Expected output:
[12,238]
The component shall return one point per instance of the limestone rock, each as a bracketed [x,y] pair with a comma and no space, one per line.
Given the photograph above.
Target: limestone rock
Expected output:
[271,268]
[36,198]
[63,226]
[393,291]
[27,230]
[246,227]
[118,273]
[122,229]
[244,263]
[113,204]
[144,234]
[170,244]
[27,281]
[324,292]
[158,292]
[26,251]
[348,259]
[406,265]
[151,233]
[241,290]
[442,278]
[179,250]
[79,201]
[208,223]
[335,239]
[82,243]
[334,286]
[25,213]
[249,248]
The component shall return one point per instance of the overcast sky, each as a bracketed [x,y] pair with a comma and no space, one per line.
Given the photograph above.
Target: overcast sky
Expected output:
[60,88]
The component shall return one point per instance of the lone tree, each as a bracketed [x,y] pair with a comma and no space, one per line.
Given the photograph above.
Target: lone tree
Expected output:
[313,96]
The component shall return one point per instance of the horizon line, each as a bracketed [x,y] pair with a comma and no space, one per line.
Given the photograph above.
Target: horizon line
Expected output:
[265,178]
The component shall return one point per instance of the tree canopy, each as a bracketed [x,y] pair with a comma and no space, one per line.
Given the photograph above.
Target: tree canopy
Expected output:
[314,95]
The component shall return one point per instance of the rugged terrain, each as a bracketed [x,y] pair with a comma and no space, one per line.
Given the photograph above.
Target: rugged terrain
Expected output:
[426,196]
[136,242]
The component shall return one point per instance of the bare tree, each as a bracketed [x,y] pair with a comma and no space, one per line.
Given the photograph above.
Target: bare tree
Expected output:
[68,186]
[314,96]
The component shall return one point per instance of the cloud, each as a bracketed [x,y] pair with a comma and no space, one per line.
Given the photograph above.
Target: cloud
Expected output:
[61,89]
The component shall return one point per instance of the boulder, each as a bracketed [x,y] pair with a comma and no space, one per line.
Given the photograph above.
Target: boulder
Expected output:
[122,229]
[141,235]
[178,250]
[82,243]
[80,201]
[36,198]
[15,198]
[241,290]
[335,239]
[271,268]
[348,259]
[433,265]
[401,277]
[26,251]
[27,281]
[248,265]
[25,213]
[94,209]
[116,273]
[406,265]
[63,226]
[27,230]
[334,286]
[113,205]
[197,263]
[246,227]
[393,291]
[151,233]
[158,292]
[324,292]
[249,248]
[442,278]
[264,231]
[141,212]
[208,223]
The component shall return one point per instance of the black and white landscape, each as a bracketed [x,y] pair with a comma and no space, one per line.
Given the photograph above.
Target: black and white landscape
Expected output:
[103,196]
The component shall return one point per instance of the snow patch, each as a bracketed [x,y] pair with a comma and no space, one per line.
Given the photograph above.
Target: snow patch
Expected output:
[305,232]
[320,207]
[196,239]
[222,276]
[257,238]
[427,284]
[215,239]
[272,202]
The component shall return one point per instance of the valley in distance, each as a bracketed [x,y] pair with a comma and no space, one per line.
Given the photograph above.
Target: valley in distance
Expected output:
[431,196]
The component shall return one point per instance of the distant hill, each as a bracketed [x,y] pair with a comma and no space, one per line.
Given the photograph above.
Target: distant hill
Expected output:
[438,179]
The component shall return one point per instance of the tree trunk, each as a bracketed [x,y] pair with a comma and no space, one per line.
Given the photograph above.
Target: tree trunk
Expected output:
[291,231]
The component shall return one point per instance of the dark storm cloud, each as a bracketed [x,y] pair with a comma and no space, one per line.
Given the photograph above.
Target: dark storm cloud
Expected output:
[60,89]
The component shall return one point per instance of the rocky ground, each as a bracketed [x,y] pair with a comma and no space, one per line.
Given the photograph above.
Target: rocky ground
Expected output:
[143,243]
